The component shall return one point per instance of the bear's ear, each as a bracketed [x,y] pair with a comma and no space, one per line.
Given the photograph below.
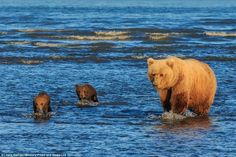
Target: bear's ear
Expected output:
[170,62]
[150,61]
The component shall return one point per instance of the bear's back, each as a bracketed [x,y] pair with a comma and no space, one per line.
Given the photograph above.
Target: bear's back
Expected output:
[90,89]
[203,83]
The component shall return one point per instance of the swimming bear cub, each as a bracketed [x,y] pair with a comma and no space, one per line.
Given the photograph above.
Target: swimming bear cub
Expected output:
[41,104]
[86,93]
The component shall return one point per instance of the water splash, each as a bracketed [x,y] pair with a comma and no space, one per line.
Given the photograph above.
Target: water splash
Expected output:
[86,103]
[175,117]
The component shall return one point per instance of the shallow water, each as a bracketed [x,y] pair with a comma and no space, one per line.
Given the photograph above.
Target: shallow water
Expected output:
[53,45]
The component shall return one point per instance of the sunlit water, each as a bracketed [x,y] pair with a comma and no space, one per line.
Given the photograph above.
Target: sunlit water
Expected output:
[53,45]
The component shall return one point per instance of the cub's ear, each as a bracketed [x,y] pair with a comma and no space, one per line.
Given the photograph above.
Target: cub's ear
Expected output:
[170,62]
[150,61]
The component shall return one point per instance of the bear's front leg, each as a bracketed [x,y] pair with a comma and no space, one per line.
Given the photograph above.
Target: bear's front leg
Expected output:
[179,102]
[165,96]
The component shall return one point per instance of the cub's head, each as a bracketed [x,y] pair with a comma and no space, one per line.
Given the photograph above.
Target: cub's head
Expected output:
[162,73]
[82,91]
[86,92]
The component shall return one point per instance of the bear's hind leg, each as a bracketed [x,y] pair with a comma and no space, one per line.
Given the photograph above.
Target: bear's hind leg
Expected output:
[201,109]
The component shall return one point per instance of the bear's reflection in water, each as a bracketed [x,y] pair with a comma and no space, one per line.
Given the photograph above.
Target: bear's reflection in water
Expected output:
[191,123]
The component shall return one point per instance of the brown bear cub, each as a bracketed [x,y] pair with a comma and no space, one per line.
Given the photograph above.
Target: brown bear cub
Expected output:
[86,93]
[41,105]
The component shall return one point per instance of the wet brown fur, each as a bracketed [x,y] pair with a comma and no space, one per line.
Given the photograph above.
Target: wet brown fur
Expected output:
[41,104]
[86,92]
[192,84]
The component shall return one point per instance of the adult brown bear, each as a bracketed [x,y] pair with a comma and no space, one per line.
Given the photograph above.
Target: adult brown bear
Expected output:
[41,104]
[183,84]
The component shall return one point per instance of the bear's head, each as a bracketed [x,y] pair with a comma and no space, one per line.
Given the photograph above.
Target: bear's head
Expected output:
[86,92]
[82,91]
[163,73]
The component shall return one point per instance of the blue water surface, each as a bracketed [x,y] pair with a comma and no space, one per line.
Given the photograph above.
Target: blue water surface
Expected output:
[52,45]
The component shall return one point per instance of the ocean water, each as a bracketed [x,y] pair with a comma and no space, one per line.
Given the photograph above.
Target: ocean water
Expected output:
[52,45]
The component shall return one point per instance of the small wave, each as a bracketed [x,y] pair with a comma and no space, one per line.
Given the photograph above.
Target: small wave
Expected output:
[162,36]
[99,35]
[36,60]
[3,33]
[221,34]
[30,62]
[158,36]
[57,57]
[29,30]
[139,57]
[17,42]
[42,44]
[79,37]
[39,30]
[111,33]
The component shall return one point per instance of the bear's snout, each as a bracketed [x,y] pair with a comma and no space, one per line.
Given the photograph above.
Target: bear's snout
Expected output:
[41,111]
[82,95]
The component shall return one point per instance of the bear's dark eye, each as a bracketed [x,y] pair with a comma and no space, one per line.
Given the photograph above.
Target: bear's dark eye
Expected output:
[161,75]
